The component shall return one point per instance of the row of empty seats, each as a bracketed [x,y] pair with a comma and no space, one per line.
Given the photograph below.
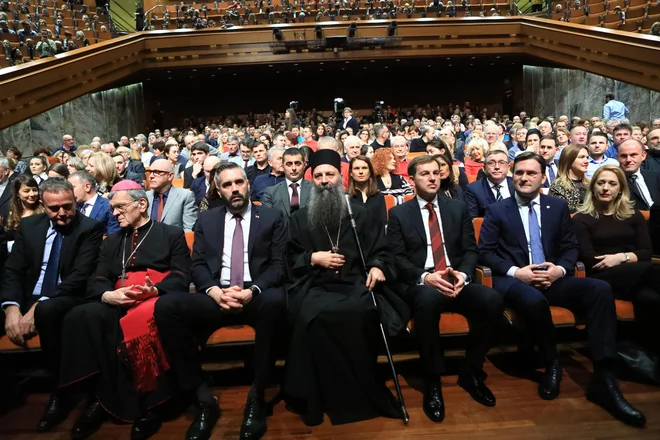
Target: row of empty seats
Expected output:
[632,15]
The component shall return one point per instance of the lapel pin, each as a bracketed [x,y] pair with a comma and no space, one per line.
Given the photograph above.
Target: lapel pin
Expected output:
[547,207]
[256,216]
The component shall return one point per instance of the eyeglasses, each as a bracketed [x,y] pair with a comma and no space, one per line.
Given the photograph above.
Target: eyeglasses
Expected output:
[492,163]
[120,207]
[159,173]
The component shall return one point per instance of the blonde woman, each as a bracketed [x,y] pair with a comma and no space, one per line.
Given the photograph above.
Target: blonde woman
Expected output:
[572,181]
[476,151]
[104,170]
[615,246]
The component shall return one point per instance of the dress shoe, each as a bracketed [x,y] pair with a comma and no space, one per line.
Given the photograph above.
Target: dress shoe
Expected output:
[254,419]
[56,412]
[549,384]
[604,390]
[476,388]
[434,404]
[89,421]
[146,426]
[205,420]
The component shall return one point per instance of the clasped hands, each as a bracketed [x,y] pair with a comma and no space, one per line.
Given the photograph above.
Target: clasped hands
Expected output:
[541,279]
[128,297]
[333,261]
[438,280]
[231,299]
[20,328]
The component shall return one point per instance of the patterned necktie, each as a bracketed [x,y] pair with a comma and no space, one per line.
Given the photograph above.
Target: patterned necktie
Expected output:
[236,270]
[439,260]
[498,195]
[551,174]
[49,283]
[535,243]
[295,200]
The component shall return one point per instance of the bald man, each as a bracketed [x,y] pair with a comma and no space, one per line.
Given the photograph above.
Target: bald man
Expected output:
[167,204]
[644,185]
[200,185]
[652,161]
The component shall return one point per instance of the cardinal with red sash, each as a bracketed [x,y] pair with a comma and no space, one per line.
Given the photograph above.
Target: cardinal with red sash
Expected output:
[111,346]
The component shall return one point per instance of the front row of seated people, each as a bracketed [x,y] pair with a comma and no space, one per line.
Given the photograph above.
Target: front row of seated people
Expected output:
[117,323]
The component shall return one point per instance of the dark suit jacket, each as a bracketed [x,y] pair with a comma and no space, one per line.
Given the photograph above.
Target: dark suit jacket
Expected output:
[137,167]
[354,124]
[478,195]
[80,248]
[198,187]
[278,196]
[3,248]
[407,239]
[547,183]
[130,175]
[266,248]
[5,198]
[502,241]
[101,213]
[188,177]
[652,181]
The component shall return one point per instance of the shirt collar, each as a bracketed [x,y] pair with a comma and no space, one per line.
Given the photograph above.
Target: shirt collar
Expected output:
[91,201]
[245,214]
[521,202]
[492,185]
[289,182]
[422,203]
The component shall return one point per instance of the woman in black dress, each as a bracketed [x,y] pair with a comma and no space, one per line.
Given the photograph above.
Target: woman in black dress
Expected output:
[363,189]
[449,186]
[384,166]
[615,246]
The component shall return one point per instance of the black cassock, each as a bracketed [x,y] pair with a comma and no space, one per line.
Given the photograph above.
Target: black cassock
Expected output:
[331,367]
[92,335]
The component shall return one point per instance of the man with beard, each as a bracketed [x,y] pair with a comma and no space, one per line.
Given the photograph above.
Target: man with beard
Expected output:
[238,268]
[111,349]
[652,161]
[331,367]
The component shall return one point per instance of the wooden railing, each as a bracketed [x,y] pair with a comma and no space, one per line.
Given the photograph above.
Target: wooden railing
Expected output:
[33,88]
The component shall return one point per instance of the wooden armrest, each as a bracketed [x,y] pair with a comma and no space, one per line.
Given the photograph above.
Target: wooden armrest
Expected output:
[580,271]
[484,276]
[655,260]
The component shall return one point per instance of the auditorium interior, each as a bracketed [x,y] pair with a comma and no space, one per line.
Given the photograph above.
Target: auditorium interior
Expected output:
[123,67]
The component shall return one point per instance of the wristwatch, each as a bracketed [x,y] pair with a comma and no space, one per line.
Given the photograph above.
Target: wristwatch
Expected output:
[255,290]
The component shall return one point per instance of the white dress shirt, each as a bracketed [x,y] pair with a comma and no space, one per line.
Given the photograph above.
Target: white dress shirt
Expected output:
[641,184]
[89,205]
[3,186]
[288,187]
[504,189]
[230,227]
[523,210]
[429,265]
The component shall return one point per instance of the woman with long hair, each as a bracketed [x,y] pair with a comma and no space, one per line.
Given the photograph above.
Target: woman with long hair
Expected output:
[341,136]
[384,166]
[61,156]
[212,199]
[290,118]
[25,202]
[365,136]
[75,164]
[58,170]
[615,246]
[572,181]
[39,168]
[320,132]
[104,170]
[449,186]
[363,189]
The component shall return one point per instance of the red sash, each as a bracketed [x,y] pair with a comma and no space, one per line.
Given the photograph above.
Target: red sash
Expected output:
[141,342]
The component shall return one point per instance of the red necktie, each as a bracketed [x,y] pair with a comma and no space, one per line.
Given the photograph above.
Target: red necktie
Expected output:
[295,201]
[439,259]
[161,205]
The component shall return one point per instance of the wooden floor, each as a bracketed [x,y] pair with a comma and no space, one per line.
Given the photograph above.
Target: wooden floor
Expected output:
[519,414]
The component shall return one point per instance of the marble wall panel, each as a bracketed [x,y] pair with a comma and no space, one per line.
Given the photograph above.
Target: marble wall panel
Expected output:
[108,114]
[551,91]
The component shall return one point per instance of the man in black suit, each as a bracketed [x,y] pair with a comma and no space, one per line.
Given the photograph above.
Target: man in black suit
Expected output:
[198,154]
[261,165]
[53,256]
[528,242]
[6,177]
[238,269]
[432,240]
[122,170]
[644,185]
[548,150]
[418,145]
[350,122]
[494,188]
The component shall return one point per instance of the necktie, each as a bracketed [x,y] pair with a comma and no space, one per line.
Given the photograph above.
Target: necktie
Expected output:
[535,236]
[236,271]
[245,164]
[632,182]
[498,195]
[84,209]
[161,206]
[295,200]
[439,260]
[551,174]
[49,283]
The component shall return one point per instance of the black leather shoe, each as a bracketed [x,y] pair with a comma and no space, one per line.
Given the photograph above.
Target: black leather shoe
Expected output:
[476,388]
[56,412]
[254,419]
[549,384]
[146,426]
[604,390]
[434,404]
[89,421]
[205,420]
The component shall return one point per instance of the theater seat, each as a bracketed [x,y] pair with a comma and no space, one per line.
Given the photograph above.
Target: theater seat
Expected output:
[624,310]
[451,324]
[561,317]
[7,346]
[239,334]
[177,183]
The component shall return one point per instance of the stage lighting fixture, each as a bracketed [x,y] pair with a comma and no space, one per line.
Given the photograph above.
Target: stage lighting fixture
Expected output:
[318,30]
[391,29]
[277,33]
[352,29]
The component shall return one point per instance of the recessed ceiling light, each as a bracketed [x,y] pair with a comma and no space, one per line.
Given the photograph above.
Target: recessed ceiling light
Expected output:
[194,70]
[213,76]
[270,65]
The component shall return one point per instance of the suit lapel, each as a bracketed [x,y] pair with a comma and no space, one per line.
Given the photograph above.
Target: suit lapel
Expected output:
[652,182]
[255,224]
[516,224]
[172,198]
[415,215]
[547,223]
[40,240]
[489,193]
[448,226]
[305,188]
[284,198]
[96,208]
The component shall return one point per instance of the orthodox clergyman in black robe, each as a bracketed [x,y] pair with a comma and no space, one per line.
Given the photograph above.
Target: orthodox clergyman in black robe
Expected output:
[111,347]
[331,366]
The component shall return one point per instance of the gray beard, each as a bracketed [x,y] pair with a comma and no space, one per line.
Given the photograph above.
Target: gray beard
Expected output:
[326,207]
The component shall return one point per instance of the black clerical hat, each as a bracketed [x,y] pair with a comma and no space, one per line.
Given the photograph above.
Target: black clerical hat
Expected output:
[326,157]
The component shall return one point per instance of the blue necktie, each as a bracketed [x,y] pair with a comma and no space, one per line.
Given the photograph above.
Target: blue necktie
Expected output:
[535,236]
[52,268]
[551,173]
[498,197]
